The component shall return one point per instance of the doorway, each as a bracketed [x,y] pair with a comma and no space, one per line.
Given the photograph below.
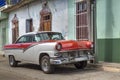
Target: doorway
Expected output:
[46,18]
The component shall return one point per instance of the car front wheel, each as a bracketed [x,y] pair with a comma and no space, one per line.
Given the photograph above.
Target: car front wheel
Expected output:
[12,61]
[46,66]
[81,65]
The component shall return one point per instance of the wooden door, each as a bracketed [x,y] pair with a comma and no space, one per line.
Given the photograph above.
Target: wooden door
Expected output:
[47,22]
[47,26]
[46,18]
[15,28]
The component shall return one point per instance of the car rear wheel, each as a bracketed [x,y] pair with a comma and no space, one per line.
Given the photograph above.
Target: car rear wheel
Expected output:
[81,65]
[12,61]
[46,66]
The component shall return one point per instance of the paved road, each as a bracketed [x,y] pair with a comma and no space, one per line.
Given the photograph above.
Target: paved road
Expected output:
[32,72]
[7,75]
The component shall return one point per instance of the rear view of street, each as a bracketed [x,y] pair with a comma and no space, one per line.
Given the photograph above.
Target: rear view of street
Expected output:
[33,72]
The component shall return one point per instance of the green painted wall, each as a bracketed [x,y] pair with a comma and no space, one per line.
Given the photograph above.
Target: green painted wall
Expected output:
[101,17]
[3,15]
[0,38]
[108,50]
[108,15]
[108,30]
[3,33]
[71,19]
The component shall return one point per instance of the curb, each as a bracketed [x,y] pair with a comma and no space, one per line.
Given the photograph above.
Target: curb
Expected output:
[2,54]
[110,69]
[115,67]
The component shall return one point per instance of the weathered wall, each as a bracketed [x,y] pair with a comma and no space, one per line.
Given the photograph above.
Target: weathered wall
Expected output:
[3,33]
[59,16]
[71,19]
[108,30]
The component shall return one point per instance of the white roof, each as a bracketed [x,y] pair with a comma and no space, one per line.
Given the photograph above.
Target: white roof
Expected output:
[38,32]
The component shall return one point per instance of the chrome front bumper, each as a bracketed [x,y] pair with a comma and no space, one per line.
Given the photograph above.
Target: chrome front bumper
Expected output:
[58,61]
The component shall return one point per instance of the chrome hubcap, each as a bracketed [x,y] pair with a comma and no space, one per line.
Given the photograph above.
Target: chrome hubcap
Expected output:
[11,60]
[45,65]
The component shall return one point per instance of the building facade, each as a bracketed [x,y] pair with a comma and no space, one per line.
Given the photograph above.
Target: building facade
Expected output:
[3,30]
[3,26]
[38,16]
[73,18]
[95,20]
[108,30]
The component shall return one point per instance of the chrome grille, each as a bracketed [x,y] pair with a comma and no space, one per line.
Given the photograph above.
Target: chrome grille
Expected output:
[73,54]
[70,54]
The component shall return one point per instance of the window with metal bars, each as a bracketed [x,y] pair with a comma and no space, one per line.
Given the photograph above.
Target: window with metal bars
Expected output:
[81,20]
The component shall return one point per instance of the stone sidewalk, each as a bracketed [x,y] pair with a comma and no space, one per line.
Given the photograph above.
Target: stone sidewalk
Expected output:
[105,66]
[1,53]
[113,67]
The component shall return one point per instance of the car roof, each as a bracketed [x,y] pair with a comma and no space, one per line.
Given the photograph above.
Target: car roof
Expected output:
[33,33]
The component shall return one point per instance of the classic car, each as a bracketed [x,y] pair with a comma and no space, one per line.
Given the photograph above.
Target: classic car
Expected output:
[48,49]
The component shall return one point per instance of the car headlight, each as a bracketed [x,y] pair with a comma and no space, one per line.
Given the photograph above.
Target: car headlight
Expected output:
[58,46]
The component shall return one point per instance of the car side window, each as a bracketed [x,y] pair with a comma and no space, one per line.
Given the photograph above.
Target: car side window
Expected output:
[38,37]
[26,39]
[21,40]
[42,36]
[45,36]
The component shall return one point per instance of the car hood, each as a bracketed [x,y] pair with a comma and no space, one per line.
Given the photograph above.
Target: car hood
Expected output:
[71,44]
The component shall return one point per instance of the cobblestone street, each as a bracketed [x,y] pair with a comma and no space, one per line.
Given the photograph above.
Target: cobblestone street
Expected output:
[32,72]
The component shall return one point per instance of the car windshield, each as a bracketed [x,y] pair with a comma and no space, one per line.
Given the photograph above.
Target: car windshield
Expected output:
[49,36]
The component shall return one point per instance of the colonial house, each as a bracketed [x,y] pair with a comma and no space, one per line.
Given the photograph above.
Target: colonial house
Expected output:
[37,15]
[108,30]
[95,20]
[3,25]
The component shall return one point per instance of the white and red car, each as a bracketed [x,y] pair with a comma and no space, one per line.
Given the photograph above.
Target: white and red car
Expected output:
[48,49]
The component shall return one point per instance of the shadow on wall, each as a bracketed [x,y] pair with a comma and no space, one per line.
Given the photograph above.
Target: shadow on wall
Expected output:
[109,31]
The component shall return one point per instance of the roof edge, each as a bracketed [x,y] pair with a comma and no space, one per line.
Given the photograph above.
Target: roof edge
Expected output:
[18,5]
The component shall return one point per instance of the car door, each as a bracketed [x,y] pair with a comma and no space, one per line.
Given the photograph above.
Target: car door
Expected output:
[25,43]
